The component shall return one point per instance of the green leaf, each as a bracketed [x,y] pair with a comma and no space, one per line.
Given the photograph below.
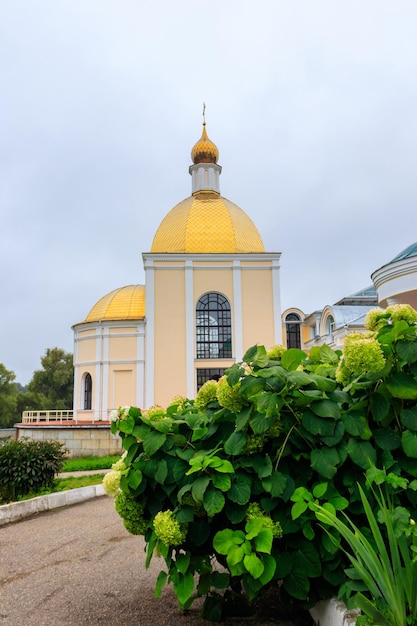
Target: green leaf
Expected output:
[235,555]
[260,357]
[292,358]
[407,351]
[357,425]
[362,453]
[409,443]
[320,489]
[327,355]
[184,587]
[337,436]
[297,585]
[275,484]
[240,491]
[234,374]
[225,539]
[402,386]
[298,509]
[160,583]
[199,487]
[259,423]
[380,406]
[270,565]
[221,481]
[318,425]
[153,441]
[161,472]
[213,502]
[323,383]
[325,408]
[242,418]
[182,561]
[298,379]
[134,478]
[220,465]
[307,560]
[325,461]
[408,418]
[254,565]
[235,444]
[126,425]
[387,438]
[268,403]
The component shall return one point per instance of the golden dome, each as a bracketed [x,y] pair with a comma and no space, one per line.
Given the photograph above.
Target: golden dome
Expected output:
[207,223]
[204,151]
[125,303]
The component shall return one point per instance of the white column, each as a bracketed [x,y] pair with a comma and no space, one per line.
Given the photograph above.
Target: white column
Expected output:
[189,329]
[276,293]
[237,312]
[150,334]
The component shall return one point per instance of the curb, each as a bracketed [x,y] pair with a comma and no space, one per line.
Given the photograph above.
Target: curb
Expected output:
[19,510]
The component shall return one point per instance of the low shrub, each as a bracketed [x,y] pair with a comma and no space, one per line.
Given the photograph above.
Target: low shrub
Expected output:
[234,478]
[26,466]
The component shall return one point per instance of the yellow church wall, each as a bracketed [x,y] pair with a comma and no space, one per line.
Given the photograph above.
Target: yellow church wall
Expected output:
[87,350]
[258,307]
[122,348]
[170,335]
[220,281]
[122,386]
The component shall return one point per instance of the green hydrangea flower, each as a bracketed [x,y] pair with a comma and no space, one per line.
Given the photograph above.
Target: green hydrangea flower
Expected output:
[228,396]
[362,353]
[343,375]
[402,312]
[180,402]
[276,352]
[206,394]
[131,511]
[254,443]
[255,512]
[168,528]
[375,319]
[111,483]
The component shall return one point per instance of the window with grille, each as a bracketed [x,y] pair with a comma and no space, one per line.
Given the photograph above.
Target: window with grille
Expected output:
[213,327]
[88,388]
[293,330]
[208,373]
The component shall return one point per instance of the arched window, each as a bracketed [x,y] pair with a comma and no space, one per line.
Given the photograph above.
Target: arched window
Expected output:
[88,388]
[329,325]
[213,327]
[293,330]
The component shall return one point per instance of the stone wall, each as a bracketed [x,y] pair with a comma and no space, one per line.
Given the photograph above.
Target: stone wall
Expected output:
[79,440]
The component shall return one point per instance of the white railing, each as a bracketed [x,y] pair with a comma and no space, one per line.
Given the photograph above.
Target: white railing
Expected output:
[54,417]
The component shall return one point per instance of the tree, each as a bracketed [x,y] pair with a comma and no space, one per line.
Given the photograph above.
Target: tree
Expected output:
[55,382]
[8,391]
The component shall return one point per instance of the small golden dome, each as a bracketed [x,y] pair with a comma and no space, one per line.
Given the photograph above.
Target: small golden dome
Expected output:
[125,303]
[204,151]
[207,223]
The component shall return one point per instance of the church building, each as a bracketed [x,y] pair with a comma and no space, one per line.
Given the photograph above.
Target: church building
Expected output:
[211,291]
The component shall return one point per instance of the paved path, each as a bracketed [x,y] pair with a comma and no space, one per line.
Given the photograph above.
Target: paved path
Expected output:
[78,565]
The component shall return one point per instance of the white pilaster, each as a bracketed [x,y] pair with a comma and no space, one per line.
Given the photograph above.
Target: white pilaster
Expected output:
[276,291]
[150,333]
[237,312]
[189,329]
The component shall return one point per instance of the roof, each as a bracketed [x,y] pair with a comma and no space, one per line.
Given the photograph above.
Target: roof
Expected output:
[407,253]
[207,223]
[125,303]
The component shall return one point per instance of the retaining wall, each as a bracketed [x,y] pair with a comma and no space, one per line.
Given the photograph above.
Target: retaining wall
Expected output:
[79,440]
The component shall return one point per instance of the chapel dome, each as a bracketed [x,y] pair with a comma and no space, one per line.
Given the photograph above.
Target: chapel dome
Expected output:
[207,223]
[204,151]
[125,303]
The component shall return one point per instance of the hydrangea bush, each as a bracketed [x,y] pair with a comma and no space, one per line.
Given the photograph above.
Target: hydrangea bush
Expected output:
[225,488]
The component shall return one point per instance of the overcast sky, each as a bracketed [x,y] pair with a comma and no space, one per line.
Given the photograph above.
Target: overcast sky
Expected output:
[312,104]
